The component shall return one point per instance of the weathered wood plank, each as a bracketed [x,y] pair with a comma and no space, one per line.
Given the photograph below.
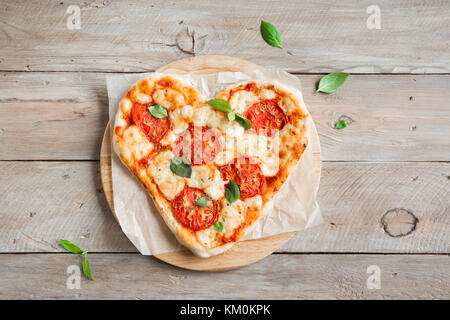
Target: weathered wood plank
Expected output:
[45,201]
[355,196]
[395,118]
[132,276]
[136,36]
[52,116]
[390,118]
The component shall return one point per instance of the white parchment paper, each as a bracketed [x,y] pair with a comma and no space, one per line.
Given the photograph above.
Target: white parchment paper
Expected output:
[294,207]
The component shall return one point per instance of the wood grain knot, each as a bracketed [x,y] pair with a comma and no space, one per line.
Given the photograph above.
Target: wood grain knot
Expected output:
[399,222]
[348,119]
[188,41]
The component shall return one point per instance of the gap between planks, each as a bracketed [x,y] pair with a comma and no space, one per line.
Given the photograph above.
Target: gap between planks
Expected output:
[275,277]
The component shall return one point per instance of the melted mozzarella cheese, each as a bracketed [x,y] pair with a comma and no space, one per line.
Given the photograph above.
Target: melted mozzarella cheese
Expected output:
[143,98]
[233,129]
[137,143]
[169,183]
[253,145]
[289,104]
[216,189]
[262,148]
[224,157]
[242,99]
[179,123]
[267,94]
[207,116]
[232,216]
[126,106]
[270,165]
[206,236]
[265,149]
[208,178]
[201,177]
[187,112]
[169,138]
[233,142]
[169,98]
[253,202]
[289,140]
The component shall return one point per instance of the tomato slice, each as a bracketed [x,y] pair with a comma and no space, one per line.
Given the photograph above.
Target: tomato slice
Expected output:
[154,128]
[247,175]
[200,144]
[192,216]
[266,116]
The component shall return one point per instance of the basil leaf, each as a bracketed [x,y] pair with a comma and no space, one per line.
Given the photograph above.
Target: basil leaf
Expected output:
[232,192]
[219,104]
[224,106]
[86,267]
[69,246]
[270,34]
[219,226]
[181,167]
[341,124]
[244,122]
[231,116]
[158,111]
[331,82]
[202,202]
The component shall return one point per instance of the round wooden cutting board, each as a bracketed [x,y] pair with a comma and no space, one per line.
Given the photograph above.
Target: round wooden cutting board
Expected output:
[243,252]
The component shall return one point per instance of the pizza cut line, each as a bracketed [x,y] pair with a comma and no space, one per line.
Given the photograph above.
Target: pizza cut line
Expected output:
[211,167]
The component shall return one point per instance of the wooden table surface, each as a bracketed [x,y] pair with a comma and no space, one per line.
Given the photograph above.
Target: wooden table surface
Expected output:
[393,158]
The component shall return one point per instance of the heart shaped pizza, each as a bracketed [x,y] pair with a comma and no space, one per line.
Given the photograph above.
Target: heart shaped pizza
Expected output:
[211,167]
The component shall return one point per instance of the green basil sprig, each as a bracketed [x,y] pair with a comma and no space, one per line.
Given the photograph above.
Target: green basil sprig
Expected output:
[244,122]
[224,106]
[73,248]
[86,267]
[341,124]
[331,82]
[270,34]
[202,202]
[181,167]
[231,116]
[219,226]
[158,111]
[232,193]
[69,246]
[219,104]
